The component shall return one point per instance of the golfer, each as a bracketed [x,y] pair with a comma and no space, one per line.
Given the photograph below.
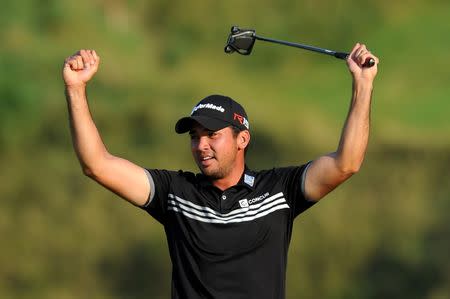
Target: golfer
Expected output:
[228,228]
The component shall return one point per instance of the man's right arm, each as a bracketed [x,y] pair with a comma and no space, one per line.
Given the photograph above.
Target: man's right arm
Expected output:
[122,177]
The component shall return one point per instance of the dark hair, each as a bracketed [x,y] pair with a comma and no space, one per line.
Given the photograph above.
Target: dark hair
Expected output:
[236,131]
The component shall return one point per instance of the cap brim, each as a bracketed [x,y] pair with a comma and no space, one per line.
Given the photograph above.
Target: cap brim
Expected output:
[185,124]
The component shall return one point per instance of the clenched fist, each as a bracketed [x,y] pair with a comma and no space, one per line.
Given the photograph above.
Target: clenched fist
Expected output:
[356,60]
[80,68]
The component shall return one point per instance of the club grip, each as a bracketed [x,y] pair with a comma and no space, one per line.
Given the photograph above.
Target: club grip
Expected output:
[341,55]
[369,62]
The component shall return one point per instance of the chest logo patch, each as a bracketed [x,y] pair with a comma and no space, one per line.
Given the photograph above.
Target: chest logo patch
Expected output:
[243,203]
[249,180]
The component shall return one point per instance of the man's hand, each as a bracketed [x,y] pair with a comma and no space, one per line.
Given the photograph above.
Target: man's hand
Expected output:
[80,68]
[355,61]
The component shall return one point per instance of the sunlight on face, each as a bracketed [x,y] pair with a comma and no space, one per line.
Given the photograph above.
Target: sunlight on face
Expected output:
[214,151]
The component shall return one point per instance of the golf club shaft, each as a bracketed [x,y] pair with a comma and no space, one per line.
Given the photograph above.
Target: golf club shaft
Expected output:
[306,47]
[340,55]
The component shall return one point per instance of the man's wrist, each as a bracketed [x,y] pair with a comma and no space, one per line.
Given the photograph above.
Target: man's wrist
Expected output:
[75,92]
[363,85]
[74,87]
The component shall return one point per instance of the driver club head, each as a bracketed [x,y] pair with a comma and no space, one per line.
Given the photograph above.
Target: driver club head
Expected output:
[240,41]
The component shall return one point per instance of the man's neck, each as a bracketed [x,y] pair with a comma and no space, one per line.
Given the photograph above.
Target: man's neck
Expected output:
[231,180]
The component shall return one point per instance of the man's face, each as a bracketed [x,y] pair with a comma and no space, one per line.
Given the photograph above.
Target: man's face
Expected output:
[214,151]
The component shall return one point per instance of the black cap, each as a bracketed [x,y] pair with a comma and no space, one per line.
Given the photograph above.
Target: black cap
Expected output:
[215,112]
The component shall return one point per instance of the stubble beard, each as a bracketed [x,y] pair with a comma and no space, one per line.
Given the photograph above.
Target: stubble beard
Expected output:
[217,173]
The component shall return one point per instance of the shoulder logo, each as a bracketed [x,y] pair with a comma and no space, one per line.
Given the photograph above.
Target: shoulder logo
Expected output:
[249,180]
[243,203]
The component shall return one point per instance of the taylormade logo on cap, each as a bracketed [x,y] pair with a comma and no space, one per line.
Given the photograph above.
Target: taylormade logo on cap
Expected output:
[214,113]
[208,106]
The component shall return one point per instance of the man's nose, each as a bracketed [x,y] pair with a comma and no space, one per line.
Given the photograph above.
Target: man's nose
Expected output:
[202,143]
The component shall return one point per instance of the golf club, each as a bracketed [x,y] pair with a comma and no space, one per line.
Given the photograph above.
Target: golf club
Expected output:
[242,41]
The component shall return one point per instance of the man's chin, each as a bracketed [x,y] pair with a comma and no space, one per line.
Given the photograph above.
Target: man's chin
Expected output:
[211,173]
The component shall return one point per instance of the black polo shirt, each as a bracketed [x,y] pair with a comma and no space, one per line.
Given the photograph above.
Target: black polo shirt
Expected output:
[232,243]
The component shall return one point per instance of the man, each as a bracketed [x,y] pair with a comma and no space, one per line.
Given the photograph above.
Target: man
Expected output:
[228,228]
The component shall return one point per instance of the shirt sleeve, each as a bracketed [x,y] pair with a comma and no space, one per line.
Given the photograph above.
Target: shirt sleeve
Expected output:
[292,179]
[160,184]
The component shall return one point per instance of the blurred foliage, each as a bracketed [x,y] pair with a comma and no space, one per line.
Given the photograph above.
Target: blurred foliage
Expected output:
[384,234]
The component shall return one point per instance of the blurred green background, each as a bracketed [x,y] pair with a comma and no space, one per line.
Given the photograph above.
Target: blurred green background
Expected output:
[383,234]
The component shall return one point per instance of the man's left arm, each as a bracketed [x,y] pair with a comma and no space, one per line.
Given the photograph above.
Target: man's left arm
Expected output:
[329,171]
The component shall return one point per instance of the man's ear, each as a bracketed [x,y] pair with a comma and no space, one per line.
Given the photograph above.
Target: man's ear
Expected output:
[243,139]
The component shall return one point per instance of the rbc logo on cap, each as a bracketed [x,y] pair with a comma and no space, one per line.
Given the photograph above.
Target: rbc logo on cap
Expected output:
[242,120]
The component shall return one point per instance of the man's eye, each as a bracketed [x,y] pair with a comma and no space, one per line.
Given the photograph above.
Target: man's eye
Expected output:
[212,134]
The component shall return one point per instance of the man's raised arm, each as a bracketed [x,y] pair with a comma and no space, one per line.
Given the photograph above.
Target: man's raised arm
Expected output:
[118,175]
[327,172]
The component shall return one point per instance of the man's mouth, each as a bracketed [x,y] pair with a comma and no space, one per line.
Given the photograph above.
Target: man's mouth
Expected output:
[206,160]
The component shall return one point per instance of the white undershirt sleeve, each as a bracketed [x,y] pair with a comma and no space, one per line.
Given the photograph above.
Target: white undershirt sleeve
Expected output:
[152,188]
[304,178]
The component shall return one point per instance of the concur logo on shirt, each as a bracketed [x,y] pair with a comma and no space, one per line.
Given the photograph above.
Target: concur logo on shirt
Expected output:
[243,203]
